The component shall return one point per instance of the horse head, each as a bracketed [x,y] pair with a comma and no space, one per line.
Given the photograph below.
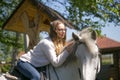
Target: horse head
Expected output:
[87,36]
[87,53]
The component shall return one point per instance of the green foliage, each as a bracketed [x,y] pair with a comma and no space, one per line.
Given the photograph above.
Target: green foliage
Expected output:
[6,9]
[89,12]
[94,12]
[7,39]
[5,68]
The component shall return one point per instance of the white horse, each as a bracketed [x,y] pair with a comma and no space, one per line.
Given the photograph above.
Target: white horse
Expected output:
[83,64]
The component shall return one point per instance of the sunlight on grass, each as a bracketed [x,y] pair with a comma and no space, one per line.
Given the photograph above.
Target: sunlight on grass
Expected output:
[107,59]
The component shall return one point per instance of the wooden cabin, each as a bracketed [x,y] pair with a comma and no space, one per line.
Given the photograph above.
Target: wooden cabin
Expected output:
[110,50]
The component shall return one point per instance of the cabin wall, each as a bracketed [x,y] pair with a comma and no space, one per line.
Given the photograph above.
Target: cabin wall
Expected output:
[111,71]
[116,65]
[119,65]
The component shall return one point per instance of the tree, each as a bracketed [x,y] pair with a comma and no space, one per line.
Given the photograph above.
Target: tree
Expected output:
[103,10]
[8,39]
[6,9]
[89,12]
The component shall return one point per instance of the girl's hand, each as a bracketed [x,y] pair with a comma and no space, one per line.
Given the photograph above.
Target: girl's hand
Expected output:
[69,47]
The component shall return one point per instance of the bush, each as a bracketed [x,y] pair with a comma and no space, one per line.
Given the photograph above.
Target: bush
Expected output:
[5,68]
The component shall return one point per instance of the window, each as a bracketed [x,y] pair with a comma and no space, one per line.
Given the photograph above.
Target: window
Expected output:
[107,59]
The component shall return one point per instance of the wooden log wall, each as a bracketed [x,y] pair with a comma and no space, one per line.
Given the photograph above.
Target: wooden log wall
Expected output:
[116,65]
[112,71]
[119,65]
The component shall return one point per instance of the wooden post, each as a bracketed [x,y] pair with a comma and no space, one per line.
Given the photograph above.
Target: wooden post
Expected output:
[31,28]
[26,41]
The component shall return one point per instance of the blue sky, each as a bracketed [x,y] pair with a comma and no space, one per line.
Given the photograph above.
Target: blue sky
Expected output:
[111,31]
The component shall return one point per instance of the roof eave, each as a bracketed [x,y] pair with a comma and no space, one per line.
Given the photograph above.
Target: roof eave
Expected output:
[109,50]
[4,24]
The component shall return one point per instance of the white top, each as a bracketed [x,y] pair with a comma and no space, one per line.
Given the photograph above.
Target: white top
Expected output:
[43,54]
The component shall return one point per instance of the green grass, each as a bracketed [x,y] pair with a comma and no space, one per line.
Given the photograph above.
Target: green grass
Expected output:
[107,60]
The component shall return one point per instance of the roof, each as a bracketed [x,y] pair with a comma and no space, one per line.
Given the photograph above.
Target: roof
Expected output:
[107,45]
[33,8]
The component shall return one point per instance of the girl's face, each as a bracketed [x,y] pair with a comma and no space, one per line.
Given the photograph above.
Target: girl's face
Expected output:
[61,30]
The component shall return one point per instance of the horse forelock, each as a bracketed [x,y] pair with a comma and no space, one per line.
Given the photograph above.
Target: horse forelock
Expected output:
[92,47]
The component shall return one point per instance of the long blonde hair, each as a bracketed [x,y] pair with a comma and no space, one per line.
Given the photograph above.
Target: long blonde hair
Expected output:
[54,37]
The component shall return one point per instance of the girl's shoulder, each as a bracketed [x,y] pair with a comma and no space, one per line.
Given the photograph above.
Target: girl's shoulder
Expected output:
[46,40]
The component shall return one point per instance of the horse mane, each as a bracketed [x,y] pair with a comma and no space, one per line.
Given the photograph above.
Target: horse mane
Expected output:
[71,56]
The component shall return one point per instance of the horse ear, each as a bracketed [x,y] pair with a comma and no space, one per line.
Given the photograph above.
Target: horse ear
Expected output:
[94,35]
[75,36]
